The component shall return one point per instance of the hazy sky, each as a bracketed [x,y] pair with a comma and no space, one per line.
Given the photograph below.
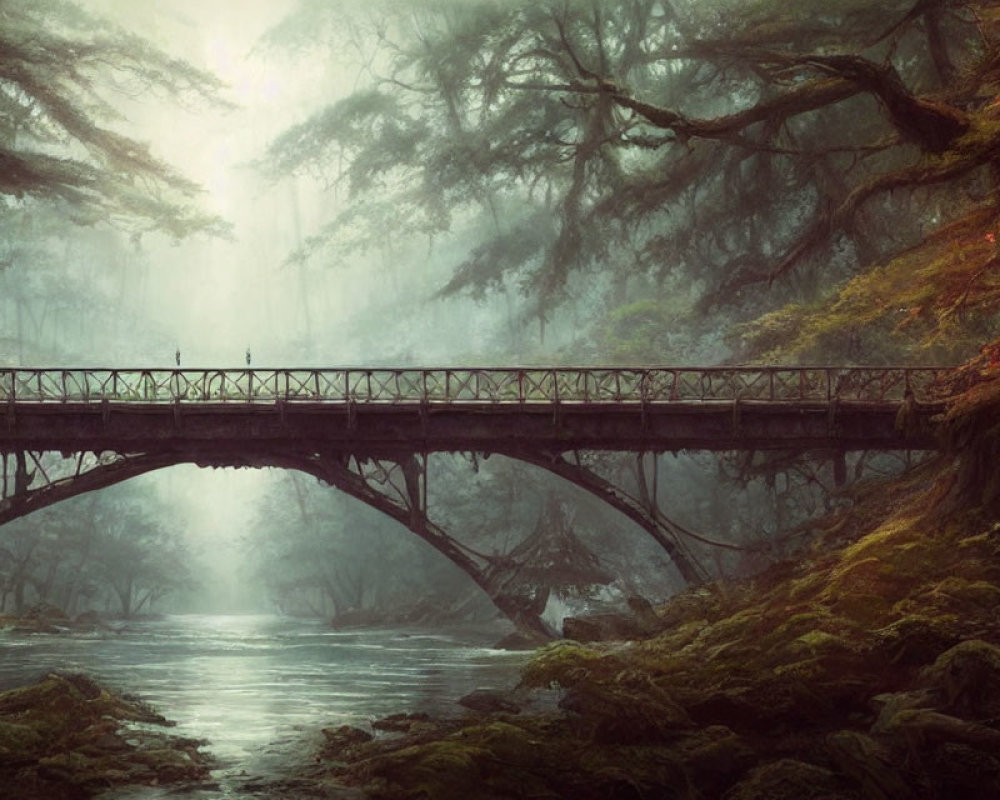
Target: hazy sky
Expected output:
[218,297]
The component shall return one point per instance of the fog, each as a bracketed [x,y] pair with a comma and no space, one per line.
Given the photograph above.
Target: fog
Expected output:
[623,372]
[355,211]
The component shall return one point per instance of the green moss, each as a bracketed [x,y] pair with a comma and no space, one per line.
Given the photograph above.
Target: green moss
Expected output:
[566,664]
[17,739]
[785,779]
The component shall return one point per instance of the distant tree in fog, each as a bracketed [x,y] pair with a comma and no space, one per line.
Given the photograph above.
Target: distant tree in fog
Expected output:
[115,551]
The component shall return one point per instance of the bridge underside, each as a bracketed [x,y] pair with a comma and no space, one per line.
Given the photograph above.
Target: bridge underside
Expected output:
[379,430]
[378,452]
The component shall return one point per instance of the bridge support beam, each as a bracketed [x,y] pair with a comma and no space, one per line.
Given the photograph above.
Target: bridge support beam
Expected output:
[406,502]
[395,487]
[644,510]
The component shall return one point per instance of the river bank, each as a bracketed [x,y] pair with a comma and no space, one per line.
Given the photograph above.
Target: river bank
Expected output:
[869,669]
[260,688]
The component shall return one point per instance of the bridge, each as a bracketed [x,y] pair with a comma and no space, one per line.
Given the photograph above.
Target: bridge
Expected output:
[369,431]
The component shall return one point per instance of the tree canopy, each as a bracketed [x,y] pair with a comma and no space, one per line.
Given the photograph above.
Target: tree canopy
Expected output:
[63,77]
[831,164]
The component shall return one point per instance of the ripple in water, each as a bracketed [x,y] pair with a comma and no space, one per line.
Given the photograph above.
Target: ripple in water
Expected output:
[255,684]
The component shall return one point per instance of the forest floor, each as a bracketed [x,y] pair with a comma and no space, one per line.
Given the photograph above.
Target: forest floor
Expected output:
[868,669]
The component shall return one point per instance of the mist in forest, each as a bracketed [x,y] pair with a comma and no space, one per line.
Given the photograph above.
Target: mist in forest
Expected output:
[708,290]
[335,184]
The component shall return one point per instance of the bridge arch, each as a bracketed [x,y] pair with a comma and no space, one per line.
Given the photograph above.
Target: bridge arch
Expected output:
[336,423]
[405,501]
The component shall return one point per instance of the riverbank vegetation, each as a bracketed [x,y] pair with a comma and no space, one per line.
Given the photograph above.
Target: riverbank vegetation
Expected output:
[626,182]
[869,668]
[66,737]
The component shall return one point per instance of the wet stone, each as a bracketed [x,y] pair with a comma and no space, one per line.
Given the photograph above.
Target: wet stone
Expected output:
[489,701]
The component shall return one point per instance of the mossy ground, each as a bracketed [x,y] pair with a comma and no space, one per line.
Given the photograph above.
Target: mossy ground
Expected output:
[66,736]
[869,669]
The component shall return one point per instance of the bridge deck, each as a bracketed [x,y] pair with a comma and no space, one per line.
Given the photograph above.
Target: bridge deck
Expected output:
[373,411]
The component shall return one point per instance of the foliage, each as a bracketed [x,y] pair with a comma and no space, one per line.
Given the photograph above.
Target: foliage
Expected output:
[729,149]
[113,550]
[60,70]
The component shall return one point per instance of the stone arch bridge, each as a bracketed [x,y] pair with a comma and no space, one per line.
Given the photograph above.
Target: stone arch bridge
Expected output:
[369,431]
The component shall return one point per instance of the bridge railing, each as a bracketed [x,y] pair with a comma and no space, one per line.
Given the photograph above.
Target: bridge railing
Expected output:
[473,385]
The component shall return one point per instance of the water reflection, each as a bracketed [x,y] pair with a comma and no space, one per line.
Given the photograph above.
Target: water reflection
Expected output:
[248,682]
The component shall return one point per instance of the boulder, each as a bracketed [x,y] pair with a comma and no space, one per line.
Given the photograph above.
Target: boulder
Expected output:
[915,640]
[967,678]
[641,621]
[400,723]
[521,640]
[602,628]
[489,701]
[341,740]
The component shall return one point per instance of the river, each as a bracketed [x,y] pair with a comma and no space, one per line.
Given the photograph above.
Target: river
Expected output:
[257,686]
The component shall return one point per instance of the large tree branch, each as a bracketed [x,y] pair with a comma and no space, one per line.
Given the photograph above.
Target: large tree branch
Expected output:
[832,221]
[807,97]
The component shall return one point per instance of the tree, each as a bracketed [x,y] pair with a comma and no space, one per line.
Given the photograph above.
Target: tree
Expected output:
[59,69]
[138,555]
[734,144]
[115,546]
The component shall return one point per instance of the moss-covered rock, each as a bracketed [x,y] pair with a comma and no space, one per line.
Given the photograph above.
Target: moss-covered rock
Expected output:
[787,779]
[61,738]
[968,679]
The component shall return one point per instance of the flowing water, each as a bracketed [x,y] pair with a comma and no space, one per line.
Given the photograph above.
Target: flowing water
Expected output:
[257,686]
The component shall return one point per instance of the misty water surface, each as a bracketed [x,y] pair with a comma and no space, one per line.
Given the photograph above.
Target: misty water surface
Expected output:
[259,687]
